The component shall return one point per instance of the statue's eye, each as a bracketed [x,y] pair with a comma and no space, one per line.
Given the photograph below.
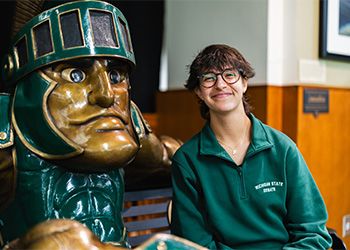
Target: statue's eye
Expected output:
[115,76]
[73,75]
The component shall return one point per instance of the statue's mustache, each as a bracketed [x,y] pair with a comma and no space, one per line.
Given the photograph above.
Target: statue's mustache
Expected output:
[95,116]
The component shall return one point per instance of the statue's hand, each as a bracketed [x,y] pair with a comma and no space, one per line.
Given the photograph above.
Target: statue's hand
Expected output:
[170,145]
[156,152]
[151,167]
[60,234]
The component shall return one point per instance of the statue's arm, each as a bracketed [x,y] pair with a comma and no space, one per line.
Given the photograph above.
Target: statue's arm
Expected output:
[155,151]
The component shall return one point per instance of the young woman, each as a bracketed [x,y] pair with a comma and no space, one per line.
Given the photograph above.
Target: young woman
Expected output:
[239,184]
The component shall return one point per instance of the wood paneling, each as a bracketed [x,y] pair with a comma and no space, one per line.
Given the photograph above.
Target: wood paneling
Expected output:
[324,141]
[274,107]
[178,114]
[290,112]
[257,97]
[267,104]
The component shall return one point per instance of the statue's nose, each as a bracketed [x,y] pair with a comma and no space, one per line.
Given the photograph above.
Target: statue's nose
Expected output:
[102,93]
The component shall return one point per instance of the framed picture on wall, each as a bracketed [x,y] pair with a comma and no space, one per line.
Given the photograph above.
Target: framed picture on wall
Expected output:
[335,29]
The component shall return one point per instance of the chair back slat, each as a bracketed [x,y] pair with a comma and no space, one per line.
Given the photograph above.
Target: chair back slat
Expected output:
[145,214]
[145,209]
[141,225]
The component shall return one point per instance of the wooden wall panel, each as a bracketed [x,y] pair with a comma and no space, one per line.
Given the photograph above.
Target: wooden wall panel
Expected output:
[290,112]
[178,114]
[267,103]
[257,97]
[274,109]
[324,141]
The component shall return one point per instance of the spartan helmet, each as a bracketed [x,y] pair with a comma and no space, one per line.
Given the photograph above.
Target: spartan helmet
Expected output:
[71,31]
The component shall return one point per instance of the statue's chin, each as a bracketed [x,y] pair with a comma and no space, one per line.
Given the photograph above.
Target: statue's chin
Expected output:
[99,160]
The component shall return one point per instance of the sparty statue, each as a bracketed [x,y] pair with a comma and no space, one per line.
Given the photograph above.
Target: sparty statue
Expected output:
[67,124]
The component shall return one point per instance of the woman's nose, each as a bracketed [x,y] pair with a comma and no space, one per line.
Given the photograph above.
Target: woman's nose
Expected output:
[220,83]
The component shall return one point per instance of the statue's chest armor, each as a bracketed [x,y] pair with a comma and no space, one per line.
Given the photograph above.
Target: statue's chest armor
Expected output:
[84,196]
[48,191]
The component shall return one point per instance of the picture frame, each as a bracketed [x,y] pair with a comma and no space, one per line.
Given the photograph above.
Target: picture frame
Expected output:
[335,29]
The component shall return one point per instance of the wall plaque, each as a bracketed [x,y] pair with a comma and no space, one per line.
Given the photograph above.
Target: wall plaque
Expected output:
[316,101]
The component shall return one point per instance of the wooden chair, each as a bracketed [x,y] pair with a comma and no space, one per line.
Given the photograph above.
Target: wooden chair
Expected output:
[145,214]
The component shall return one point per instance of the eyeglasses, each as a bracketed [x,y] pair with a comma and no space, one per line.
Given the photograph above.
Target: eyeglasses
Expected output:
[209,79]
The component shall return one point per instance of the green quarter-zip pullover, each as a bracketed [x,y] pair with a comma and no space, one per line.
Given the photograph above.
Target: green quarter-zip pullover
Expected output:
[269,202]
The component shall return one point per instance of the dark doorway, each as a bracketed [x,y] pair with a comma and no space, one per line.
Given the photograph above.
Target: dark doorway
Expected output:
[146,24]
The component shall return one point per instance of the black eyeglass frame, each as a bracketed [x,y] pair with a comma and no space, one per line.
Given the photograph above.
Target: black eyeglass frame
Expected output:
[216,76]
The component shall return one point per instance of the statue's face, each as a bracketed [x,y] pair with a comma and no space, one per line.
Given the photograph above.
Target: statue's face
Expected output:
[90,106]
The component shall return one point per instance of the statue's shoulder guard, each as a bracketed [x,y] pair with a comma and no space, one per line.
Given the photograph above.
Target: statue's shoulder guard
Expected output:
[7,166]
[141,125]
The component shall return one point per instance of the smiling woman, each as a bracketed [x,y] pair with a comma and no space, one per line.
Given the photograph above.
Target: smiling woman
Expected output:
[237,175]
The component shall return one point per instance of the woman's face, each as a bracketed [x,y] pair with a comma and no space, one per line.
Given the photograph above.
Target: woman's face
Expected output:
[222,91]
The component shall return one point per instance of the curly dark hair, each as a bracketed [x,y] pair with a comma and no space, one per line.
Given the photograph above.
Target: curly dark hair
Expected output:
[218,57]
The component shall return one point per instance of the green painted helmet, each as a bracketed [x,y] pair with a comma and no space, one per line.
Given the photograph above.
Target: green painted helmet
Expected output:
[69,31]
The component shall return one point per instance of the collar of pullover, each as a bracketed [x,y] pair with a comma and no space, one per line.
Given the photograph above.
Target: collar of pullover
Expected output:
[210,146]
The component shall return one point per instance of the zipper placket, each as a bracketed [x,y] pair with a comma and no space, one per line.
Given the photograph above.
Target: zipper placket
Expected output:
[242,189]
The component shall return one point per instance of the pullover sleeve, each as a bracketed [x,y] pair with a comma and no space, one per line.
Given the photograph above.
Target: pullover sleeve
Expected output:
[188,214]
[307,215]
